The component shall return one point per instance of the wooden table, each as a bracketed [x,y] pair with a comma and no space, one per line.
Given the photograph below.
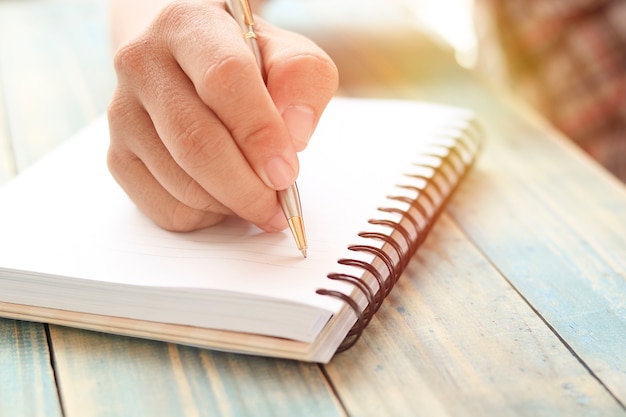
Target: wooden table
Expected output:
[514,306]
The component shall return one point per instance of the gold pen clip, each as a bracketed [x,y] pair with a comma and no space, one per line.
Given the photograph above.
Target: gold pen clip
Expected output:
[247,12]
[242,12]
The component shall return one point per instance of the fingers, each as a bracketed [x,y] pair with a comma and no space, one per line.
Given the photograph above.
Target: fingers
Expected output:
[147,173]
[227,79]
[312,79]
[188,137]
[195,132]
[146,145]
[151,198]
[148,195]
[167,188]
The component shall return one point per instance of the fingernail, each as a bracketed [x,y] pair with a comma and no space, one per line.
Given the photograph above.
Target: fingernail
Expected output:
[278,174]
[299,120]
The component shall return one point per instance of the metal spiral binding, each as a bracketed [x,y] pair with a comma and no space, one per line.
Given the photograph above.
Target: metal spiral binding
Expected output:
[458,159]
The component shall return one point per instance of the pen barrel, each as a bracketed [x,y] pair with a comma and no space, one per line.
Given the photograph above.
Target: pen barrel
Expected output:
[240,10]
[254,47]
[290,198]
[290,201]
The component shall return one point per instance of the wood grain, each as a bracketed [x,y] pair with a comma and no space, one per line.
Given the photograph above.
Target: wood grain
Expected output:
[549,218]
[455,339]
[514,306]
[564,248]
[27,385]
[103,375]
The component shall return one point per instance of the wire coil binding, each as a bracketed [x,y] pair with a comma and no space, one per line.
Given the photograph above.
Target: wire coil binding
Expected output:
[453,161]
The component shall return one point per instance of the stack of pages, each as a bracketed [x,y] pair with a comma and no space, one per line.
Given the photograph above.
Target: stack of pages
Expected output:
[75,251]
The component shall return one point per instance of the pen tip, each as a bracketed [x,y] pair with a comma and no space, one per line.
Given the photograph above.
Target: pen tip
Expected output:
[303,250]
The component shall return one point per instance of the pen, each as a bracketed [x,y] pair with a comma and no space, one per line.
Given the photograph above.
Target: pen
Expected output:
[290,198]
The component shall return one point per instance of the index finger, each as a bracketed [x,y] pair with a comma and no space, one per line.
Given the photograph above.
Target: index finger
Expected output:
[227,79]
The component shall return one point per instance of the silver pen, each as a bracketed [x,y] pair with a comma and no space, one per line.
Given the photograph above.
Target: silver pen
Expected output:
[290,198]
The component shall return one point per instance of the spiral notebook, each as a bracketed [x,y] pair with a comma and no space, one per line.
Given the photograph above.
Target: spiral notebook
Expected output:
[75,251]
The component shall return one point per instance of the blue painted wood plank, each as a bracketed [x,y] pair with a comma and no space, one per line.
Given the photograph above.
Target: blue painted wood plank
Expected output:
[553,223]
[448,342]
[549,220]
[547,216]
[454,338]
[27,385]
[104,375]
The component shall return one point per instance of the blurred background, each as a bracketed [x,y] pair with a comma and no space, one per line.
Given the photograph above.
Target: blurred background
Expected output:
[446,21]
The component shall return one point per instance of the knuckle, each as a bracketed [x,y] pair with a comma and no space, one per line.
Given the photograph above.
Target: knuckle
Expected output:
[314,78]
[131,57]
[182,219]
[116,160]
[195,146]
[329,70]
[322,65]
[315,66]
[260,135]
[173,11]
[123,115]
[194,196]
[173,16]
[228,72]
[137,55]
[190,193]
[117,111]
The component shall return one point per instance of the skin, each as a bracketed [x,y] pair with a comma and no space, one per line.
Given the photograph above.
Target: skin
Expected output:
[195,132]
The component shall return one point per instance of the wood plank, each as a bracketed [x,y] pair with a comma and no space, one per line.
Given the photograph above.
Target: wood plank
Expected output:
[455,339]
[103,375]
[555,226]
[546,215]
[556,231]
[27,386]
[429,350]
[56,71]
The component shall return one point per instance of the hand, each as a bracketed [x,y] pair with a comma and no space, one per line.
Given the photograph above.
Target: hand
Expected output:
[196,134]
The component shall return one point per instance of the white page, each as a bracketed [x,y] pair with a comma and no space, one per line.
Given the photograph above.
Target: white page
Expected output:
[66,217]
